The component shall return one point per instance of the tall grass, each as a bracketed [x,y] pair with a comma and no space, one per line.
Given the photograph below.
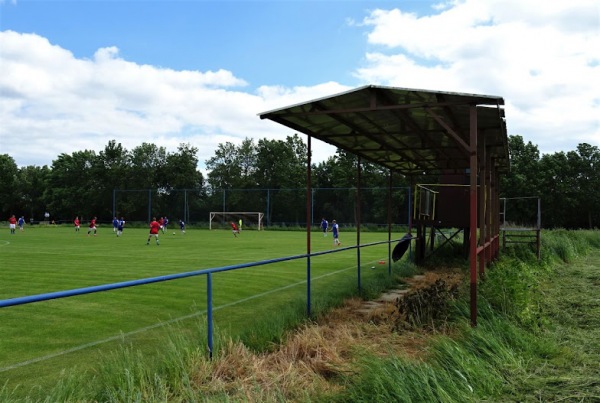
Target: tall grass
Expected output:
[517,351]
[566,245]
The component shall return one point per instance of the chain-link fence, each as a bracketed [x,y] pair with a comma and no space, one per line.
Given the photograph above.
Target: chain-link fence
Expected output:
[520,212]
[281,207]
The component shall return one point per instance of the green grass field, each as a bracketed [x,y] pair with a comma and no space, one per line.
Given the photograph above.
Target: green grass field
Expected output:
[39,340]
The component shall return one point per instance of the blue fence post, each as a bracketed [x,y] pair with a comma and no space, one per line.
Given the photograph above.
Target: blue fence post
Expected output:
[308,286]
[209,318]
[358,258]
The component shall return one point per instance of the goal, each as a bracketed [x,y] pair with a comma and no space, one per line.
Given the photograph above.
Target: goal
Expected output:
[250,219]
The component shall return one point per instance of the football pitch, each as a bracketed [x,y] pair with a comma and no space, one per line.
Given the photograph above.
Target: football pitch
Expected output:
[42,338]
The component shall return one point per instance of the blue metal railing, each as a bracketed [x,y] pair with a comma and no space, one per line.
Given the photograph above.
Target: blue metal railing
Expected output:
[208,272]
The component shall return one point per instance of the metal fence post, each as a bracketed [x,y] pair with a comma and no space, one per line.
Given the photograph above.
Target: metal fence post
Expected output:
[209,316]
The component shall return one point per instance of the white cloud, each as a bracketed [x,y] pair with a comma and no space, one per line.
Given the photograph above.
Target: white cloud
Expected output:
[54,103]
[542,57]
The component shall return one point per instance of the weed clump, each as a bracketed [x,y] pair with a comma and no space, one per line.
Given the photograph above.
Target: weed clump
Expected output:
[427,306]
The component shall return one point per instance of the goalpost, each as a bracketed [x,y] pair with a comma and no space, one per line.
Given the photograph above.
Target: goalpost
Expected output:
[252,219]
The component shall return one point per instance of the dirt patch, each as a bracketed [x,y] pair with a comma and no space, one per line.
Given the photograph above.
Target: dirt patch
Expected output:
[311,359]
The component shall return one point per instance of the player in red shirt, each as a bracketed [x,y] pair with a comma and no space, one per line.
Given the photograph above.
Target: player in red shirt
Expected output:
[12,221]
[154,228]
[234,229]
[92,226]
[76,223]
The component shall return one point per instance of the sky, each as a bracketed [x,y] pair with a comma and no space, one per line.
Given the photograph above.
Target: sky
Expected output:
[77,74]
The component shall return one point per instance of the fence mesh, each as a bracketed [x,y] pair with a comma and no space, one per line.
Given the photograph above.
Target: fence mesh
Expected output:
[281,207]
[520,212]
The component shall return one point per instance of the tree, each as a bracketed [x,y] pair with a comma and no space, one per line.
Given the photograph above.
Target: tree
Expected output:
[147,172]
[113,164]
[281,166]
[8,184]
[184,184]
[181,169]
[522,179]
[110,171]
[224,168]
[72,186]
[32,181]
[521,183]
[567,184]
[247,159]
[557,181]
[147,167]
[585,163]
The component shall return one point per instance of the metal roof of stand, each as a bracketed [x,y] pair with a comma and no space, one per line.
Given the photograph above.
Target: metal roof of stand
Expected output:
[409,131]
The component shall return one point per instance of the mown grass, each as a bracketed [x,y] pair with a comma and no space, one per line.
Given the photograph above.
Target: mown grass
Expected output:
[41,340]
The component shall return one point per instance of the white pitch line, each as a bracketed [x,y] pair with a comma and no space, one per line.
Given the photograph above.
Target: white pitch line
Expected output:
[156,325]
[5,242]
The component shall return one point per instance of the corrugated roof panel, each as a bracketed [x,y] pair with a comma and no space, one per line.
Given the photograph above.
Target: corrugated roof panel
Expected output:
[406,130]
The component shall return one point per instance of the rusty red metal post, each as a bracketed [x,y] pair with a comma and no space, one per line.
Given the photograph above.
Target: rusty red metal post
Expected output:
[490,207]
[358,218]
[308,221]
[473,212]
[389,220]
[481,202]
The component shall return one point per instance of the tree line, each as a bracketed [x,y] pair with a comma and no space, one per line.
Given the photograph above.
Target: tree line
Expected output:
[567,183]
[270,176]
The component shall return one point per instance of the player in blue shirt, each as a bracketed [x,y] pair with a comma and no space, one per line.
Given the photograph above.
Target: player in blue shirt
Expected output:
[182,226]
[324,225]
[164,225]
[21,222]
[115,224]
[336,232]
[120,225]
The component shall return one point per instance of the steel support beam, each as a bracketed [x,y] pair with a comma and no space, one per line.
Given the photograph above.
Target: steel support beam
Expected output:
[482,203]
[308,221]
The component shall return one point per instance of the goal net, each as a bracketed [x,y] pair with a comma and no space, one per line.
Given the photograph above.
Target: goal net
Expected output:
[222,219]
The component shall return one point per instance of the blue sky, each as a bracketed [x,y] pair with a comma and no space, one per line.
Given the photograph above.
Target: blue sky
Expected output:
[76,74]
[264,42]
